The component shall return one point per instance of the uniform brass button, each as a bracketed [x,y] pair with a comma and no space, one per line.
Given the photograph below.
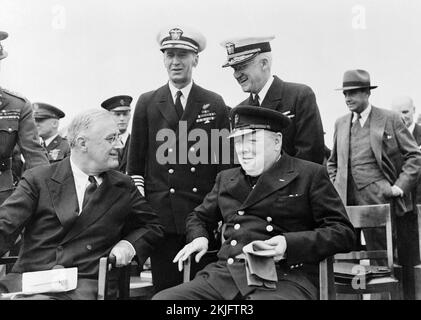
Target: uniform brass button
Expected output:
[193,169]
[10,129]
[172,190]
[170,150]
[241,213]
[194,190]
[237,226]
[192,149]
[230,261]
[269,228]
[269,219]
[171,171]
[89,247]
[233,243]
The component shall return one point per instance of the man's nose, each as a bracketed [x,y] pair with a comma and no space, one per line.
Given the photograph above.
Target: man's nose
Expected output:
[118,144]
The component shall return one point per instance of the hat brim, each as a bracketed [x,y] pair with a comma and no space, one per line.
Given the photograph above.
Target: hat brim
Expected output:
[178,46]
[121,108]
[240,132]
[356,87]
[246,59]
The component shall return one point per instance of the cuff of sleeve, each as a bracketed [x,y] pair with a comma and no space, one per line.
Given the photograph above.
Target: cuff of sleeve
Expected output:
[130,246]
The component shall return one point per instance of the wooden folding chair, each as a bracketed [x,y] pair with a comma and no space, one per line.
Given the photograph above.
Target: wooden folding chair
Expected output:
[370,216]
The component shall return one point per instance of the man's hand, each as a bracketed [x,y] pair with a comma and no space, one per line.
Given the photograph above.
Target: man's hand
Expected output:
[396,191]
[124,252]
[279,244]
[199,245]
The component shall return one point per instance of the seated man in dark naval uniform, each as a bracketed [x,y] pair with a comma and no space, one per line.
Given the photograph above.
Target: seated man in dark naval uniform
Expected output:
[287,205]
[47,120]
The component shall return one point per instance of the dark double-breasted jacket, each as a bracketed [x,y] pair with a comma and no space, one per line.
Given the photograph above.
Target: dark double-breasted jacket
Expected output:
[176,185]
[45,204]
[294,198]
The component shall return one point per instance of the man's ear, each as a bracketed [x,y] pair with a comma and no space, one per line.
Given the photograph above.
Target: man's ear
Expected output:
[196,60]
[278,141]
[81,143]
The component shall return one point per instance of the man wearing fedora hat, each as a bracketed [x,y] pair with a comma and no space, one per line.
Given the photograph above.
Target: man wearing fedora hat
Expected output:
[287,204]
[251,60]
[181,107]
[16,127]
[47,119]
[374,159]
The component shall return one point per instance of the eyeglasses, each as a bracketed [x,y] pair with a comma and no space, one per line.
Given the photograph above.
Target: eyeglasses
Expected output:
[112,139]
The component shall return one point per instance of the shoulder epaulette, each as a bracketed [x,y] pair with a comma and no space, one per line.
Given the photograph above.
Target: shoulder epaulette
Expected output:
[15,94]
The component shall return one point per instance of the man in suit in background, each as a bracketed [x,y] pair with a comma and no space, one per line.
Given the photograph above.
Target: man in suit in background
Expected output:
[374,160]
[287,203]
[251,59]
[119,106]
[47,119]
[78,210]
[173,155]
[405,106]
[17,127]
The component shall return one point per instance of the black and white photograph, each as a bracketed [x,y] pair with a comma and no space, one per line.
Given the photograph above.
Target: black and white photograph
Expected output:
[229,150]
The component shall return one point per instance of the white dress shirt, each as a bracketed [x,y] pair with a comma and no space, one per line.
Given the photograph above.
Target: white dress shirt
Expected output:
[185,91]
[262,94]
[81,182]
[364,115]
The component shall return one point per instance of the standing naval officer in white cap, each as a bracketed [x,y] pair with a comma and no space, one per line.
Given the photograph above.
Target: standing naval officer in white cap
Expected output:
[251,59]
[174,188]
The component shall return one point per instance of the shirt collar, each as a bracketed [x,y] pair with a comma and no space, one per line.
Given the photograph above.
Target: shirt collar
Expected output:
[124,137]
[411,127]
[186,90]
[81,177]
[364,115]
[50,139]
[262,94]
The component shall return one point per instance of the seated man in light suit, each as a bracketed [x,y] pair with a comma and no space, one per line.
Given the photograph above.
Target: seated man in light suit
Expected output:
[288,204]
[78,210]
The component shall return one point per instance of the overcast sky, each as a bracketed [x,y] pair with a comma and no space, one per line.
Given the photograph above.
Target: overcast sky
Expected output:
[75,54]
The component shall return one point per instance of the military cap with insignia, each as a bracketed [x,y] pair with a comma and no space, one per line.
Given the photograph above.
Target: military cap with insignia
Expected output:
[3,35]
[241,50]
[181,38]
[46,111]
[247,119]
[117,103]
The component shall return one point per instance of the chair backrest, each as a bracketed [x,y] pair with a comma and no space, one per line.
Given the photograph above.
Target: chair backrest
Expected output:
[371,216]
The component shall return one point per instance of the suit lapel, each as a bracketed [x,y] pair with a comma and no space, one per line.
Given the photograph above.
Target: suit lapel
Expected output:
[106,194]
[193,107]
[237,185]
[62,191]
[344,132]
[166,107]
[273,97]
[53,145]
[377,125]
[277,177]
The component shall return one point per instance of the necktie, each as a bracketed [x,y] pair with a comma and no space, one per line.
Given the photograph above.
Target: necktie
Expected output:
[255,101]
[357,121]
[178,105]
[89,191]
